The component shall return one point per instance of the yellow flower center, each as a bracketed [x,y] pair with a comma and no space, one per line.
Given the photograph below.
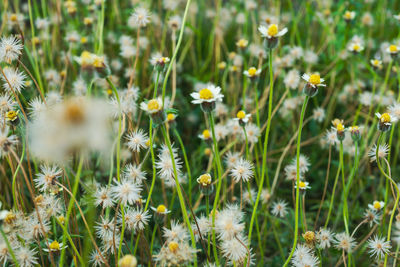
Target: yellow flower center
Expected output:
[356,47]
[206,134]
[309,236]
[83,40]
[54,245]
[10,217]
[98,62]
[377,205]
[13,17]
[11,115]
[170,117]
[385,118]
[272,30]
[207,151]
[242,43]
[302,184]
[252,71]
[340,127]
[221,65]
[347,15]
[206,94]
[315,79]
[161,208]
[61,218]
[375,62]
[393,49]
[153,105]
[173,246]
[86,58]
[128,261]
[241,115]
[205,179]
[354,128]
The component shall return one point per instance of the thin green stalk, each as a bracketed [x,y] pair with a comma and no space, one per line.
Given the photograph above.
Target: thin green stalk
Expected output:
[332,197]
[178,44]
[217,193]
[345,215]
[70,205]
[296,224]
[179,191]
[15,175]
[186,163]
[264,169]
[397,189]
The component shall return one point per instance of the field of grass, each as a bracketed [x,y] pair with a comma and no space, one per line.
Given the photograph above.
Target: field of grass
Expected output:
[199,133]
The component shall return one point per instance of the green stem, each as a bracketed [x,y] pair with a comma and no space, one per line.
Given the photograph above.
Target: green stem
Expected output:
[179,191]
[186,163]
[296,224]
[70,205]
[264,168]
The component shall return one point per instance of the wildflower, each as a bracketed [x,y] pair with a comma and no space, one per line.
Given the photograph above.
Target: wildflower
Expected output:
[26,257]
[177,232]
[125,191]
[303,186]
[344,242]
[378,247]
[319,114]
[105,228]
[355,133]
[309,237]
[136,219]
[376,63]
[205,135]
[154,108]
[393,50]
[207,97]
[55,247]
[303,256]
[376,205]
[304,163]
[77,124]
[349,16]
[103,197]
[165,168]
[128,261]
[46,180]
[242,171]
[221,65]
[242,117]
[12,117]
[324,238]
[14,81]
[385,121]
[161,209]
[231,158]
[242,43]
[175,254]
[6,142]
[234,250]
[10,49]
[271,34]
[140,17]
[134,173]
[292,79]
[159,62]
[340,131]
[279,208]
[371,217]
[252,73]
[355,47]
[252,132]
[313,82]
[137,140]
[228,223]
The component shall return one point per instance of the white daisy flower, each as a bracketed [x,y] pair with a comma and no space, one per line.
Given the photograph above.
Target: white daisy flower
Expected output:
[271,31]
[137,140]
[209,95]
[242,171]
[376,205]
[13,80]
[378,247]
[313,80]
[10,49]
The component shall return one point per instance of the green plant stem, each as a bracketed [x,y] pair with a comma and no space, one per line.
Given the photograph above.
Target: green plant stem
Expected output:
[217,193]
[397,189]
[296,224]
[186,163]
[70,205]
[264,168]
[179,191]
